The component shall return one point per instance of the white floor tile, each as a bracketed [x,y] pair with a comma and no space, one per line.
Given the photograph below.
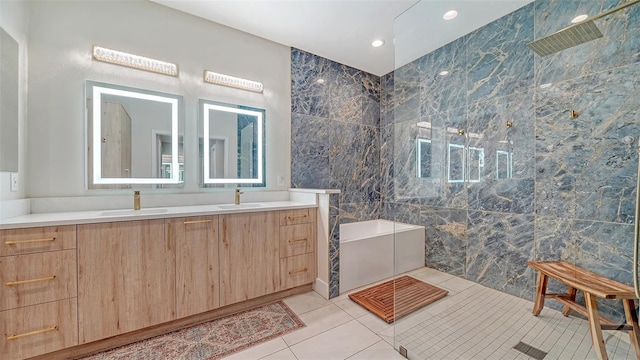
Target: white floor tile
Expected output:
[374,323]
[351,308]
[260,350]
[285,354]
[378,351]
[306,302]
[318,321]
[339,343]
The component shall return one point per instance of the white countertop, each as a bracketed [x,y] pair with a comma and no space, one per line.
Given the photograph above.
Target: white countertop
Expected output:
[101,216]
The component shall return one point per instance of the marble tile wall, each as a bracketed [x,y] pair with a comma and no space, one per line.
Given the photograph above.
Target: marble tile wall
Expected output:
[335,133]
[548,187]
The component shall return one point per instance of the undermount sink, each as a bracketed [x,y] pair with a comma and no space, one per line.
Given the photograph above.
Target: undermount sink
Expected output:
[240,206]
[132,212]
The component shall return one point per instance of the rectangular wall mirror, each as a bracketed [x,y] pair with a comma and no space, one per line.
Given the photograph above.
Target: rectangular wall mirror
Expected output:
[456,163]
[423,159]
[133,137]
[231,145]
[9,89]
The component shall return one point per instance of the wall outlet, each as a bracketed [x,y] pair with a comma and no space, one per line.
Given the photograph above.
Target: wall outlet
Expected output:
[14,182]
[280,181]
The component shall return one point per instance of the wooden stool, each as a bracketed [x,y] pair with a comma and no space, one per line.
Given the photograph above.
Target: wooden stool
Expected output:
[592,285]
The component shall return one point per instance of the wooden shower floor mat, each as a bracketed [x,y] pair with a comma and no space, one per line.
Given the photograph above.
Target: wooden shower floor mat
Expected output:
[410,295]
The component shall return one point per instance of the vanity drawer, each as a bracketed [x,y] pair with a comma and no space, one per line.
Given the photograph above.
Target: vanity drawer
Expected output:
[297,270]
[297,239]
[32,240]
[38,329]
[37,278]
[299,216]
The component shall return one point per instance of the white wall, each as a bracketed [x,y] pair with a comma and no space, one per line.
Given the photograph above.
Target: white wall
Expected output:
[14,19]
[60,40]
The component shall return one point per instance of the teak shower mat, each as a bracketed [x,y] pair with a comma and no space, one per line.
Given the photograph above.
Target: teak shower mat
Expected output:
[410,295]
[213,339]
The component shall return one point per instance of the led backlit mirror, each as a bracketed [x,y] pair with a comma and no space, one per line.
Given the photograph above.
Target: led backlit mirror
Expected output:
[231,145]
[133,137]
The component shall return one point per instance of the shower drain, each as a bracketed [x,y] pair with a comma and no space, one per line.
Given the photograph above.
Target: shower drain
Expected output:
[530,351]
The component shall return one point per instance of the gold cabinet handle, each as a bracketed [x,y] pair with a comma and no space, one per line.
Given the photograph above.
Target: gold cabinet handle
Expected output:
[168,236]
[297,271]
[297,240]
[13,337]
[28,241]
[11,283]
[196,222]
[295,217]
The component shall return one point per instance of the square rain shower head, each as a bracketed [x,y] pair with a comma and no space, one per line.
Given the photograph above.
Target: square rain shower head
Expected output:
[566,38]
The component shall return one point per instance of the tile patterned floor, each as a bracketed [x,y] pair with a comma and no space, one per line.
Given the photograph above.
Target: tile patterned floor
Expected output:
[456,327]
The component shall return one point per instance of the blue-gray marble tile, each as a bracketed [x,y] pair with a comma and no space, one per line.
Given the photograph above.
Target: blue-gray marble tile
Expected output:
[498,248]
[445,92]
[334,204]
[371,100]
[499,62]
[406,92]
[307,95]
[311,172]
[386,163]
[554,240]
[618,46]
[310,135]
[334,256]
[408,213]
[355,162]
[446,239]
[354,212]
[386,99]
[585,166]
[345,93]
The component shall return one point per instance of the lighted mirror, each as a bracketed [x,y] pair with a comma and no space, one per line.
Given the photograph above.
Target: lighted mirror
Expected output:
[133,137]
[475,163]
[455,166]
[423,158]
[9,57]
[503,164]
[231,145]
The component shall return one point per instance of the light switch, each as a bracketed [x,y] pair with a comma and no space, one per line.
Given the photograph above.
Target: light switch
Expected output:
[280,181]
[14,182]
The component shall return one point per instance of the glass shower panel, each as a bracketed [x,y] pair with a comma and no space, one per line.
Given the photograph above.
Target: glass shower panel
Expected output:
[505,158]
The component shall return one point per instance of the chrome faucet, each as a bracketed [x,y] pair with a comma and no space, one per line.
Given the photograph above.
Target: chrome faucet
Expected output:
[136,200]
[238,192]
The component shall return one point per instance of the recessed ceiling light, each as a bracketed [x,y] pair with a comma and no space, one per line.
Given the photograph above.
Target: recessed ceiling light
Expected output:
[450,15]
[320,81]
[443,73]
[377,43]
[579,18]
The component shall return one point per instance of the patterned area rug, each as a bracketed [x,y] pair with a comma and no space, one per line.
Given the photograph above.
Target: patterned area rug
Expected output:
[214,339]
[395,298]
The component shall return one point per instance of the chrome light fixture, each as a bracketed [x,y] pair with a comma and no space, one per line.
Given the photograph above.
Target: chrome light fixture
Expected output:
[134,61]
[231,81]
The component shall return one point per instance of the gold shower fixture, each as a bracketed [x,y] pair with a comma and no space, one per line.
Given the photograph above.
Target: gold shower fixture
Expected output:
[460,132]
[509,124]
[574,114]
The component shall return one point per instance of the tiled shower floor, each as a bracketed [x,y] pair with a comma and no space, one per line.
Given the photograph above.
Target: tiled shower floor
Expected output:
[472,322]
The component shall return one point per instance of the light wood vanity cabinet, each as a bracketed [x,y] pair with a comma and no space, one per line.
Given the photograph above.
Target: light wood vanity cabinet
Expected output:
[249,256]
[39,289]
[297,247]
[130,275]
[126,277]
[197,274]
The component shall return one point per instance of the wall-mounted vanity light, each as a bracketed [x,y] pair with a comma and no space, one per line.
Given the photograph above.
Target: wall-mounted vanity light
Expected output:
[134,61]
[231,81]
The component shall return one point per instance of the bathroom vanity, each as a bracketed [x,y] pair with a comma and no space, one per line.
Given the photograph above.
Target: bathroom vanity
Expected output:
[81,282]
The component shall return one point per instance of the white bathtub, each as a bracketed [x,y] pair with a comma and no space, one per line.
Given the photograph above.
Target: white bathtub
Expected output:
[367,251]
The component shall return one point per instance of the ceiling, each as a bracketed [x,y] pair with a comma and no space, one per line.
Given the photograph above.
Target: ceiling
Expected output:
[342,30]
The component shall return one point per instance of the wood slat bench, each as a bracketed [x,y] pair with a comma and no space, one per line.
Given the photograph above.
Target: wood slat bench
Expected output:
[592,285]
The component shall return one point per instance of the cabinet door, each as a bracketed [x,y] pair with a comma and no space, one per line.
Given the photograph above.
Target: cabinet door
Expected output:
[249,258]
[126,277]
[197,276]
